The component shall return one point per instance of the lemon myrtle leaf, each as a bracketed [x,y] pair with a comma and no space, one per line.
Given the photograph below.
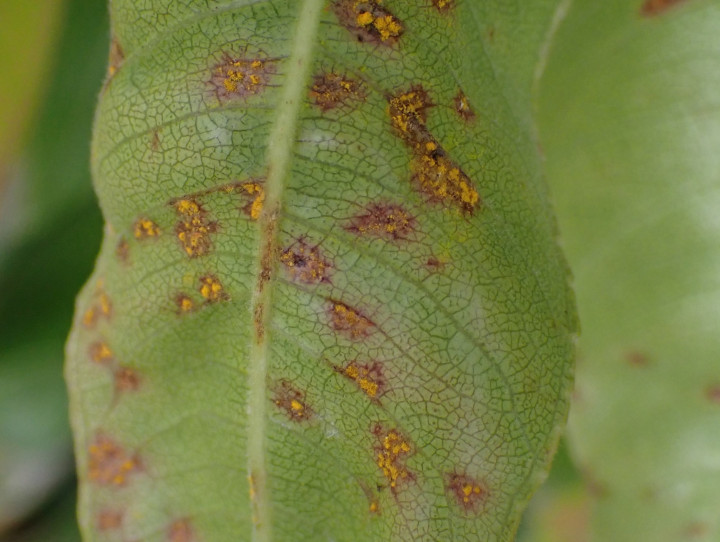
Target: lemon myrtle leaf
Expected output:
[628,117]
[329,303]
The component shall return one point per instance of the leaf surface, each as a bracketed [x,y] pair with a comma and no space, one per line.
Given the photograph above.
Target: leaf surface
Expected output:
[329,304]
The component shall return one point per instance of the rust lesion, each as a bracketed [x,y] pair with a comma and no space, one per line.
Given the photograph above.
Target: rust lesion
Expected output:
[305,263]
[211,289]
[240,78]
[369,21]
[193,228]
[462,107]
[291,401]
[145,228]
[331,90]
[126,379]
[391,453]
[443,6]
[390,221]
[434,173]
[368,377]
[100,307]
[110,519]
[469,494]
[349,321]
[110,464]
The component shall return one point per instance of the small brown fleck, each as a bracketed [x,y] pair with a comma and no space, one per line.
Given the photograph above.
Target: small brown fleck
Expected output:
[434,264]
[331,90]
[388,220]
[126,379]
[212,289]
[100,353]
[155,141]
[115,58]
[652,8]
[109,520]
[305,263]
[470,494]
[180,531]
[713,393]
[292,401]
[369,21]
[110,463]
[367,376]
[391,452]
[349,321]
[463,107]
[637,359]
[240,78]
[696,530]
[122,251]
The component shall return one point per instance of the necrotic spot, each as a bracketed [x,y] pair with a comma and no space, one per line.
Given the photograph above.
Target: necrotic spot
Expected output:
[331,90]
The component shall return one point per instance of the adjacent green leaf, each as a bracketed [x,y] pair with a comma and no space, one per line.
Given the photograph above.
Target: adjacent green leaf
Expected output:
[629,121]
[329,304]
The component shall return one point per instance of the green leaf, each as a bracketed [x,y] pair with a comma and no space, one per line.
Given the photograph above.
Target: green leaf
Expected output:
[329,303]
[629,122]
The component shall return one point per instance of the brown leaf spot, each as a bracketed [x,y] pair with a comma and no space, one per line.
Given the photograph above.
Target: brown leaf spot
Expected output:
[467,492]
[212,289]
[331,90]
[110,463]
[99,352]
[368,377]
[369,21]
[442,181]
[463,108]
[193,230]
[126,379]
[349,321]
[291,401]
[391,452]
[305,263]
[240,78]
[390,221]
[651,8]
[181,531]
[109,520]
[122,251]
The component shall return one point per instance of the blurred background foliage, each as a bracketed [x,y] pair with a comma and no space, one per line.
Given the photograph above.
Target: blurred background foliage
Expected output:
[52,60]
[53,55]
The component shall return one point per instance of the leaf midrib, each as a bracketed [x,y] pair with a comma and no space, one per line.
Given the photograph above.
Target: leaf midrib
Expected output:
[278,157]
